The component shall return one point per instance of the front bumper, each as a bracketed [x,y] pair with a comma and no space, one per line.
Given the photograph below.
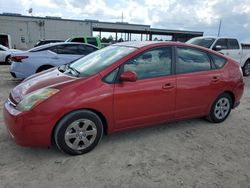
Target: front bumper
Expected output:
[26,128]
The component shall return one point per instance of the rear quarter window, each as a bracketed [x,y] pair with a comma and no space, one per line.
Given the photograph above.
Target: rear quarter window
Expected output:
[81,40]
[218,61]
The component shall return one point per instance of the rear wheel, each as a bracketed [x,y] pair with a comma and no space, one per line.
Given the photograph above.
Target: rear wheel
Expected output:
[246,68]
[8,60]
[78,132]
[220,109]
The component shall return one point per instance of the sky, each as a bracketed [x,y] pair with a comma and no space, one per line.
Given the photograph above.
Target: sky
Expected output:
[194,15]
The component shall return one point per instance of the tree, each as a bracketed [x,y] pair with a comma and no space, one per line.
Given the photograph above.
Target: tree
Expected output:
[110,39]
[105,40]
[121,40]
[155,39]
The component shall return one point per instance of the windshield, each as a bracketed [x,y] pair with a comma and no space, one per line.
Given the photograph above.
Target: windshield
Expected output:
[4,47]
[204,42]
[100,59]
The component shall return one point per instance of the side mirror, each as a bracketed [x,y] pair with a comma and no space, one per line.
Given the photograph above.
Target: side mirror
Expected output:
[128,76]
[218,48]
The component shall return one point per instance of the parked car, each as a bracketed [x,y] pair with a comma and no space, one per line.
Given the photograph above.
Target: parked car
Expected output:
[43,42]
[122,86]
[47,56]
[87,40]
[227,46]
[5,54]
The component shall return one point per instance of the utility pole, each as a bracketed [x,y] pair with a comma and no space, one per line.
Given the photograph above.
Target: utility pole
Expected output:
[219,28]
[122,22]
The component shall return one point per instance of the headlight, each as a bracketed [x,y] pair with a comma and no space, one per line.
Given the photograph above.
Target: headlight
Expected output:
[34,98]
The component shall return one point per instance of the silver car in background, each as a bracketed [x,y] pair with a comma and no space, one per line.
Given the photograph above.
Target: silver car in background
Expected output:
[25,64]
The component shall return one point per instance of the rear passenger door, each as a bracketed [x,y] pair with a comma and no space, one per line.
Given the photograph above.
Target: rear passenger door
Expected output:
[198,82]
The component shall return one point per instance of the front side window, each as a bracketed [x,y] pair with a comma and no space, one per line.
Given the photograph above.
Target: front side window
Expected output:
[191,60]
[222,43]
[233,44]
[153,63]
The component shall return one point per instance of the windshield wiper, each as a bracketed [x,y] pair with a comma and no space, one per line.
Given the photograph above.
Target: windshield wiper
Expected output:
[75,72]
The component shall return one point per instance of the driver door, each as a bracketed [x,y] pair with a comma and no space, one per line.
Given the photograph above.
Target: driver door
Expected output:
[150,99]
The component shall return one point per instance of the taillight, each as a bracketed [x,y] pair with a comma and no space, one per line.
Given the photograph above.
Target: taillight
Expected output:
[18,58]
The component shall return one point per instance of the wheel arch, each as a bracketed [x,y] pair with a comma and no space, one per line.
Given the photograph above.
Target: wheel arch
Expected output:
[98,113]
[245,60]
[231,95]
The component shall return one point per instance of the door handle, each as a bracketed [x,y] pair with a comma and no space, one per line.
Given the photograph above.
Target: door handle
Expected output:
[216,78]
[168,86]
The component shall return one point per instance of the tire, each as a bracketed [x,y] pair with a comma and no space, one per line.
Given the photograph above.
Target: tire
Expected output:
[8,60]
[43,68]
[246,68]
[78,132]
[220,109]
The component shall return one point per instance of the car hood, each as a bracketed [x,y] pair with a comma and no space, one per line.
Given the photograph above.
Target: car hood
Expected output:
[50,78]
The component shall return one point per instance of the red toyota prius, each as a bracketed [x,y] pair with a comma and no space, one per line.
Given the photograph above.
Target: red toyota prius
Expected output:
[123,86]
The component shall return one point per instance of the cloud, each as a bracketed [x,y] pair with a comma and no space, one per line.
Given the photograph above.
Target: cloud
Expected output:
[169,14]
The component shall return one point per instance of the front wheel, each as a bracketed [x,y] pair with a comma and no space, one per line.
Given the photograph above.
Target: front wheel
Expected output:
[78,132]
[220,109]
[246,68]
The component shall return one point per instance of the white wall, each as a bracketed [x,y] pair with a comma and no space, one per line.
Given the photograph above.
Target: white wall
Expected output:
[25,32]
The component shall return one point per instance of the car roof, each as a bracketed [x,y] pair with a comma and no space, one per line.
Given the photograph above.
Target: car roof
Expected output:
[140,44]
[214,37]
[57,43]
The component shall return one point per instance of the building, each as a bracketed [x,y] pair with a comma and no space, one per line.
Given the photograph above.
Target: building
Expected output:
[25,31]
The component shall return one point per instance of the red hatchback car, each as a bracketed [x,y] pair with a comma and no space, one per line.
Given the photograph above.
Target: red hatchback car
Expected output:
[123,86]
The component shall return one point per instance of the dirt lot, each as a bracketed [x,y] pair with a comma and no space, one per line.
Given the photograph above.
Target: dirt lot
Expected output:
[192,153]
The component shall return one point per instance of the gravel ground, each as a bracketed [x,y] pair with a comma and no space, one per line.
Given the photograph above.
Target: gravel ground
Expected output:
[191,153]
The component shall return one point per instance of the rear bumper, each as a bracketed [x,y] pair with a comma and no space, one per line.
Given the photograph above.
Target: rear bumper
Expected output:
[21,70]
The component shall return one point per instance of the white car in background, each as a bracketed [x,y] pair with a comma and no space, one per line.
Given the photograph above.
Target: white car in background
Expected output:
[25,64]
[226,46]
[5,54]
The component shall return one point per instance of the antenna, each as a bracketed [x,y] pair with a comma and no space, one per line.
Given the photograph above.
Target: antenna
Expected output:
[219,29]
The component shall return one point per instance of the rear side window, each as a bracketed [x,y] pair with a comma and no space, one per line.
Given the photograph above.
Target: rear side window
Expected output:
[233,44]
[85,50]
[219,62]
[67,49]
[81,40]
[191,60]
[92,41]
